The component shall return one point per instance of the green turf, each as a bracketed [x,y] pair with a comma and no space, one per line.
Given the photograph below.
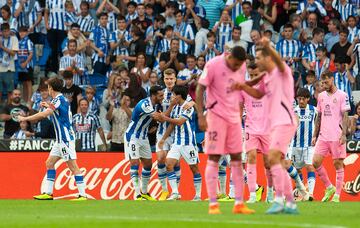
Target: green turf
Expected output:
[60,213]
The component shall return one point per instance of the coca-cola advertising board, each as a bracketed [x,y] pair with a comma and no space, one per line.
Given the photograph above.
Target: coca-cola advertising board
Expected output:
[107,177]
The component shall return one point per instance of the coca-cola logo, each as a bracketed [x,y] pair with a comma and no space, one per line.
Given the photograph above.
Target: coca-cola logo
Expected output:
[101,183]
[353,187]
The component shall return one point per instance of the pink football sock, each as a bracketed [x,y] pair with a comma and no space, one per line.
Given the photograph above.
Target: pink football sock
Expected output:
[211,178]
[238,180]
[339,180]
[288,187]
[251,174]
[269,178]
[323,176]
[278,179]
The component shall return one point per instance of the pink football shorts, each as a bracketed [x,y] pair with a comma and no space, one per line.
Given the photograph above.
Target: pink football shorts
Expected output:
[222,137]
[257,142]
[281,136]
[325,148]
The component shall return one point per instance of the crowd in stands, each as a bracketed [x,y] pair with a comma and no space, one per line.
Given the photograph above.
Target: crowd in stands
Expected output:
[110,52]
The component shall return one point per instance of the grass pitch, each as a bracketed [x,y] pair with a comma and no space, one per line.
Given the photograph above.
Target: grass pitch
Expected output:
[96,213]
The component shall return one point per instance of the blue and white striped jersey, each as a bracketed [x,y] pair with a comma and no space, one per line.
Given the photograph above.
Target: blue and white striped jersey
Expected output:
[315,7]
[305,130]
[94,106]
[356,53]
[112,23]
[86,23]
[152,46]
[164,45]
[353,32]
[131,17]
[223,35]
[237,10]
[20,134]
[67,61]
[186,31]
[343,83]
[100,36]
[211,53]
[185,74]
[121,49]
[163,107]
[70,18]
[320,68]
[140,120]
[26,47]
[345,10]
[184,135]
[309,51]
[62,119]
[85,129]
[311,88]
[289,48]
[56,14]
[28,19]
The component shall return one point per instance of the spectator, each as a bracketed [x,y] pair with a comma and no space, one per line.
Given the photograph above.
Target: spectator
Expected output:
[169,13]
[82,44]
[235,8]
[194,13]
[9,47]
[236,41]
[120,40]
[210,50]
[93,102]
[255,38]
[24,63]
[311,25]
[213,9]
[111,12]
[184,33]
[343,77]
[135,91]
[54,18]
[310,81]
[153,39]
[141,70]
[141,21]
[86,124]
[305,8]
[39,95]
[6,17]
[137,45]
[331,13]
[201,35]
[223,30]
[282,9]
[295,21]
[10,112]
[99,38]
[72,92]
[322,63]
[70,15]
[85,20]
[190,73]
[309,51]
[353,30]
[252,15]
[131,12]
[200,62]
[44,129]
[345,9]
[354,53]
[340,48]
[23,132]
[332,37]
[120,116]
[114,91]
[355,123]
[73,62]
[268,12]
[172,59]
[164,45]
[153,81]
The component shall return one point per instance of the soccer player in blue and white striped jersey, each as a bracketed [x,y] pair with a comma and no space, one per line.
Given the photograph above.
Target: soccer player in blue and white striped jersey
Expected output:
[137,146]
[288,48]
[184,33]
[309,51]
[73,62]
[184,144]
[301,149]
[86,124]
[85,20]
[64,148]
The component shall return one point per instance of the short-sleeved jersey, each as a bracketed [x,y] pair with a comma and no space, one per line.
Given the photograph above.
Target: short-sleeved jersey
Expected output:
[140,120]
[218,78]
[85,129]
[184,135]
[331,107]
[305,130]
[62,119]
[279,89]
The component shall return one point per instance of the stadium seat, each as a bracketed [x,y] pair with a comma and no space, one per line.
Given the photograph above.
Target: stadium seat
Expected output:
[97,80]
[356,96]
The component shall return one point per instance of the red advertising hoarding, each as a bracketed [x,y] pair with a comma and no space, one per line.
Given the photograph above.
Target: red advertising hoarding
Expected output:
[107,177]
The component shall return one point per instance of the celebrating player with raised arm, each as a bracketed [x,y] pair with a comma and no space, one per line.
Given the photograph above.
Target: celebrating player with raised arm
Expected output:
[59,110]
[184,143]
[137,146]
[222,122]
[330,134]
[279,89]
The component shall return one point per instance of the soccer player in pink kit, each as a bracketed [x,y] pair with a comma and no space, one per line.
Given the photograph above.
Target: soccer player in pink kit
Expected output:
[279,90]
[256,135]
[222,122]
[330,134]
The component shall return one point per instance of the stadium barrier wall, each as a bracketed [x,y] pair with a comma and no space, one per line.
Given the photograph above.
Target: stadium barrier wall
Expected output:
[107,177]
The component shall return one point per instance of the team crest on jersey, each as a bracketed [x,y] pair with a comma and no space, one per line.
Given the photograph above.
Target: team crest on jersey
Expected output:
[334,100]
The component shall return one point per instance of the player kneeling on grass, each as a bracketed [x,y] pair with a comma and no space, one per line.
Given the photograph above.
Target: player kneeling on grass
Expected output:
[330,134]
[184,143]
[137,146]
[64,148]
[301,152]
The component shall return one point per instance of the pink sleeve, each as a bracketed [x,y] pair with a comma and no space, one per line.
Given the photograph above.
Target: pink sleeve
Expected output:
[318,107]
[345,104]
[206,76]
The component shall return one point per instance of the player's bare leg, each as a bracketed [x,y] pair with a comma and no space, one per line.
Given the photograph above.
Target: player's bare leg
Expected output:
[311,179]
[145,178]
[270,189]
[171,175]
[238,180]
[339,166]
[50,178]
[197,181]
[251,175]
[330,189]
[292,171]
[79,178]
[161,158]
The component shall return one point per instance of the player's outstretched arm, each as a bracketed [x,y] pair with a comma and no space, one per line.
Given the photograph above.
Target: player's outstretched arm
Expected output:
[317,128]
[38,116]
[273,53]
[248,89]
[256,80]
